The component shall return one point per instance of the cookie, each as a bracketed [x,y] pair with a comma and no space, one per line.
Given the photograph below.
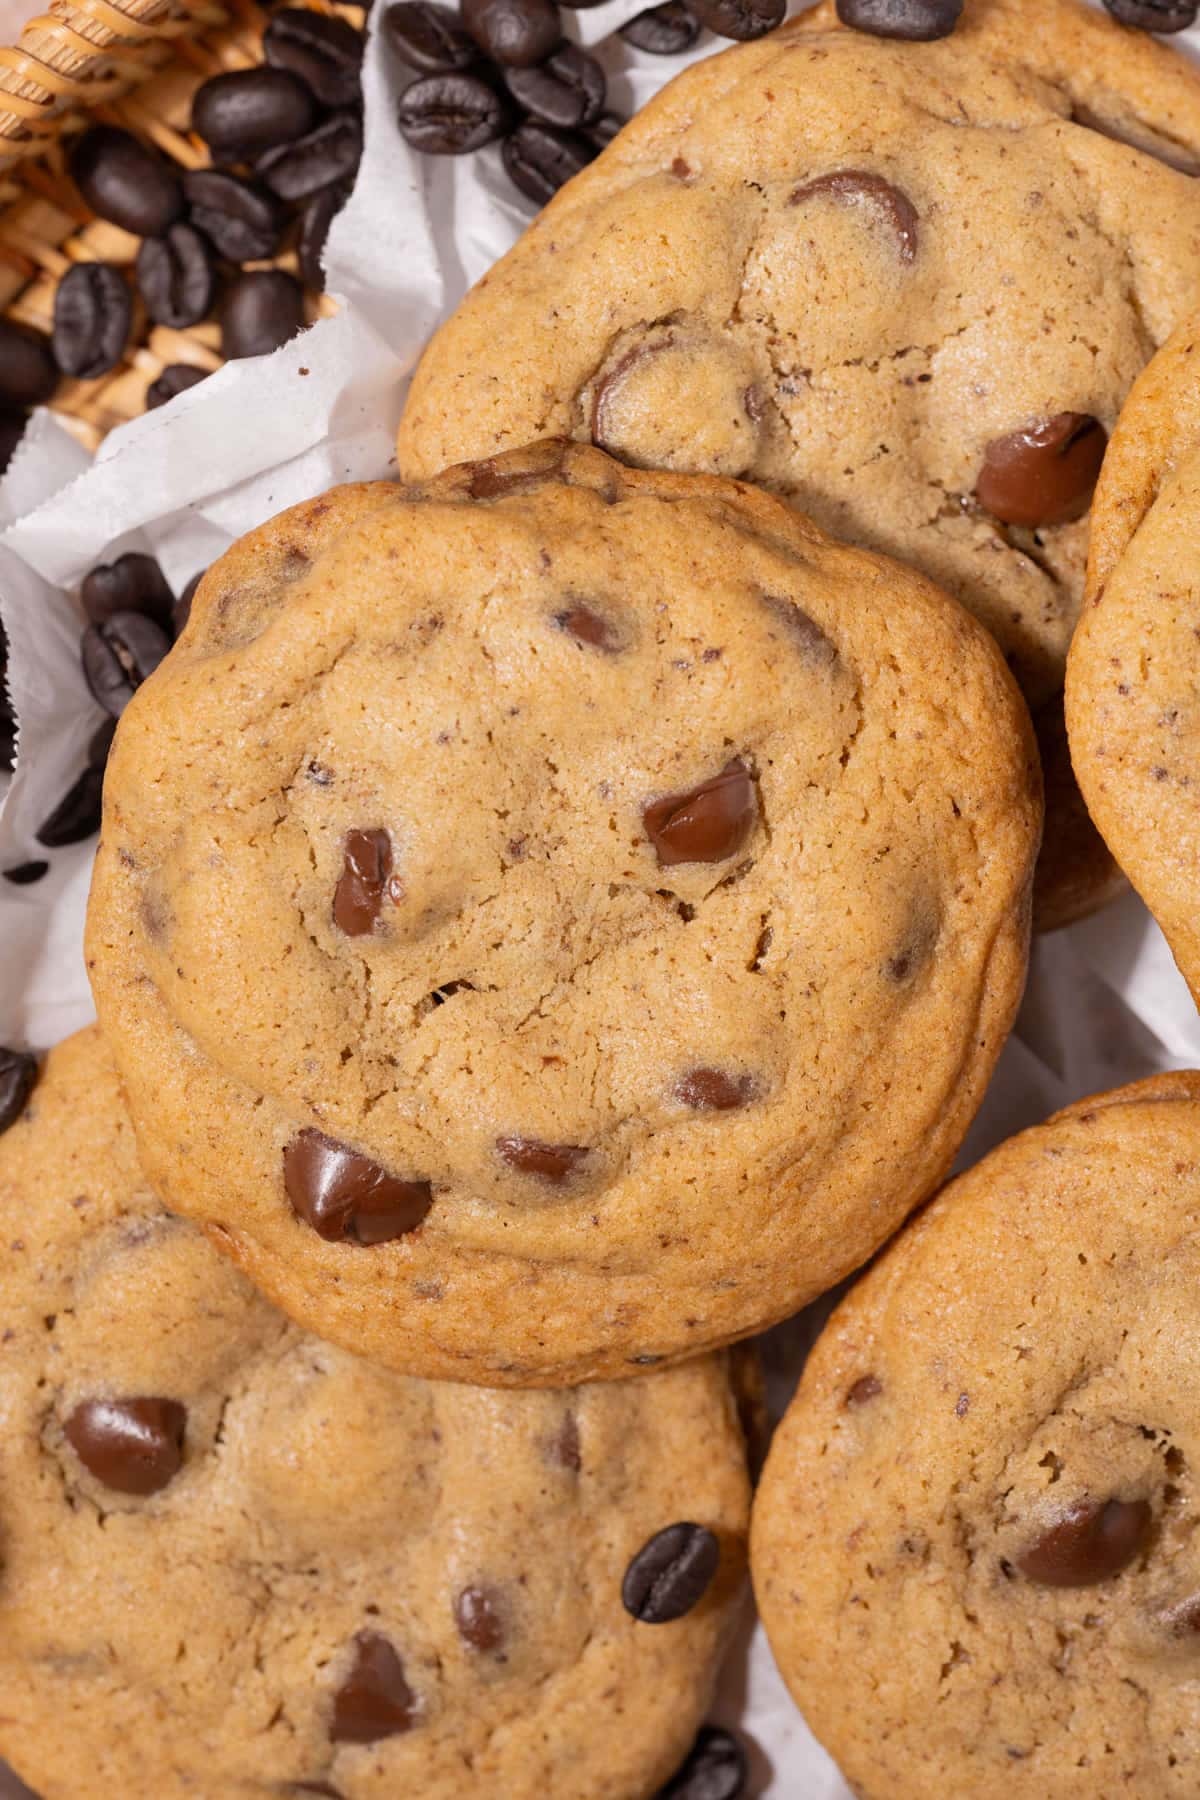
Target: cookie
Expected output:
[559,919]
[907,286]
[1132,711]
[974,1544]
[240,1563]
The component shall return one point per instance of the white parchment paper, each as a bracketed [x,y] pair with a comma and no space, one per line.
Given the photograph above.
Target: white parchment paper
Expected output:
[1104,1004]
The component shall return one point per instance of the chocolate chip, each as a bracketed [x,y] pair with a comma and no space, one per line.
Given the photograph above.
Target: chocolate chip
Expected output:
[706,824]
[358,896]
[28,371]
[448,115]
[554,1163]
[118,655]
[567,90]
[480,1620]
[242,218]
[329,154]
[26,873]
[1092,1542]
[318,215]
[176,378]
[804,631]
[93,312]
[670,1573]
[741,19]
[324,50]
[428,37]
[1044,473]
[666,30]
[134,1446]
[587,627]
[715,1769]
[867,1387]
[77,815]
[344,1195]
[247,110]
[261,311]
[540,159]
[565,1448]
[713,1090]
[374,1701]
[517,33]
[125,183]
[133,583]
[18,1072]
[1154,15]
[856,185]
[916,21]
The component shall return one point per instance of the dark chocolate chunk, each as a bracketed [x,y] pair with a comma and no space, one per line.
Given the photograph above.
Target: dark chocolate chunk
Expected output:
[374,1701]
[358,896]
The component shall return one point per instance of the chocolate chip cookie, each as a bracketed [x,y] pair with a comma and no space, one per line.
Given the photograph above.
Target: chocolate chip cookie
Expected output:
[974,1544]
[238,1562]
[907,286]
[1133,672]
[558,919]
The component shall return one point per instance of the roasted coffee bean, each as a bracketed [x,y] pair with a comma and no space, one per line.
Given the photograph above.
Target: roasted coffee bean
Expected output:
[428,37]
[12,430]
[12,1787]
[1044,473]
[100,743]
[249,110]
[183,606]
[666,30]
[323,49]
[92,316]
[125,183]
[713,1090]
[26,873]
[28,371]
[480,1620]
[344,1195]
[362,884]
[8,738]
[118,656]
[539,159]
[327,155]
[554,1163]
[447,115]
[715,1769]
[77,815]
[917,21]
[1153,15]
[177,277]
[133,583]
[176,378]
[375,1701]
[132,1446]
[853,186]
[517,33]
[670,1573]
[567,90]
[260,311]
[604,130]
[706,824]
[241,218]
[1092,1542]
[741,19]
[18,1072]
[316,218]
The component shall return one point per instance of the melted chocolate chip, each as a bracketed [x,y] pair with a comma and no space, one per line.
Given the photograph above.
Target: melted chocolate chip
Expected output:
[133,1446]
[358,896]
[1090,1543]
[555,1163]
[855,185]
[714,1090]
[670,1573]
[374,1701]
[807,635]
[1044,473]
[491,480]
[480,1620]
[342,1194]
[586,626]
[706,824]
[867,1387]
[607,389]
[565,1448]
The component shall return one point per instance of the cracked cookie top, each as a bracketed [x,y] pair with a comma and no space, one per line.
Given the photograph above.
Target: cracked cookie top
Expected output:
[974,1544]
[1133,675]
[241,1563]
[559,918]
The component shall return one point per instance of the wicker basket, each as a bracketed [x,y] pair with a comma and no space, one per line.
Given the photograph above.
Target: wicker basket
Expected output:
[135,64]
